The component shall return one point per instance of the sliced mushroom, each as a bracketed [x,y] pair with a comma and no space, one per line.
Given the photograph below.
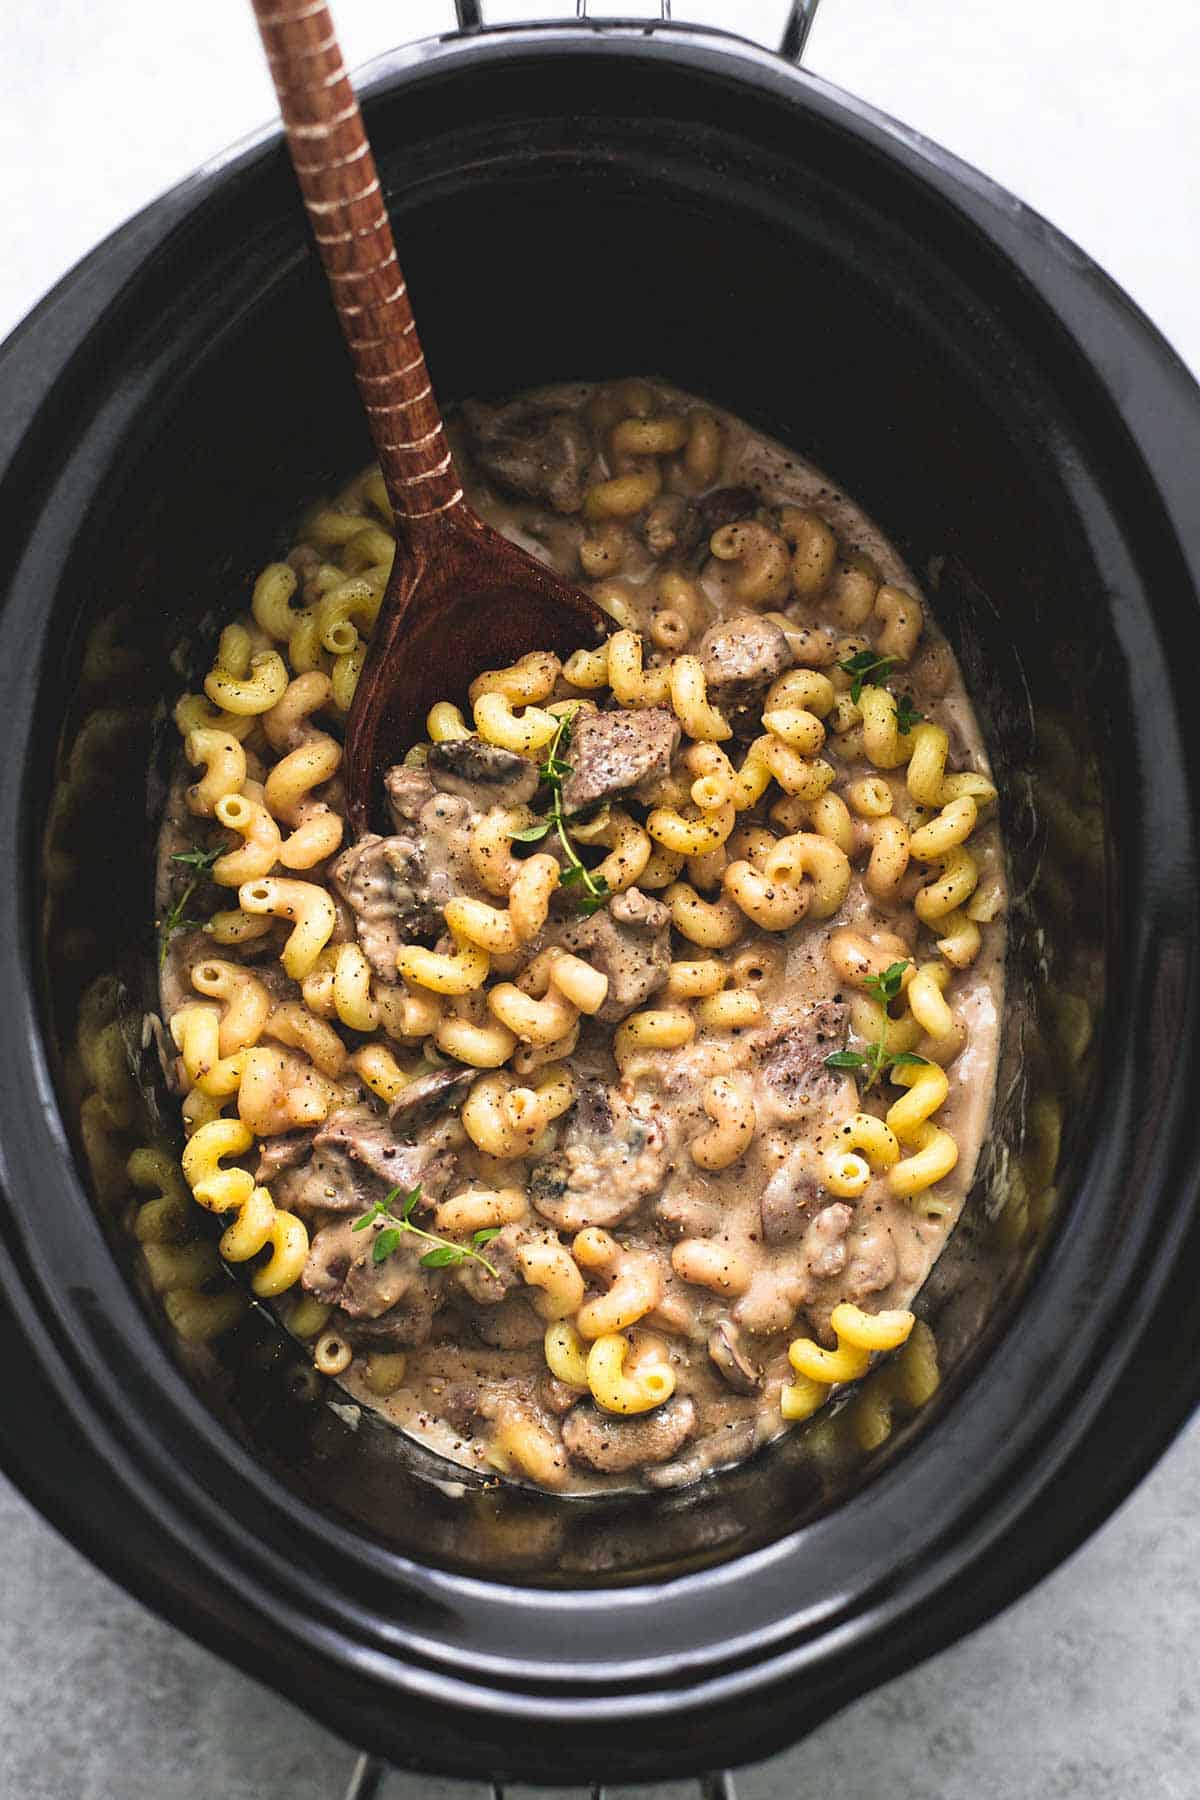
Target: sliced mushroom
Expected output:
[672,526]
[553,1194]
[614,1445]
[610,1160]
[728,1352]
[716,1451]
[485,774]
[423,1099]
[726,506]
[393,896]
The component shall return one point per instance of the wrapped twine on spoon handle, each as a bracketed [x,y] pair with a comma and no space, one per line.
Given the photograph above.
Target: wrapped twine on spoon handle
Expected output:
[344,199]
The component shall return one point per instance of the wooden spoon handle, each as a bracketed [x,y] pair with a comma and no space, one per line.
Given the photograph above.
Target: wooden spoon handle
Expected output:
[342,192]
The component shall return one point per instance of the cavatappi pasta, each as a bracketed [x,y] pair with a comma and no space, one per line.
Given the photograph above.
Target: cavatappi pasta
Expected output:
[601,1118]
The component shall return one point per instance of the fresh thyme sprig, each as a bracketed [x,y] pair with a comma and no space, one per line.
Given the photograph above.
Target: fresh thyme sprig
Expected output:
[886,987]
[174,919]
[444,1255]
[866,667]
[874,1060]
[877,1058]
[553,772]
[906,714]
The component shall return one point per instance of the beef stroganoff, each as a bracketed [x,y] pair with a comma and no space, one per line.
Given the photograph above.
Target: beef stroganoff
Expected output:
[605,1114]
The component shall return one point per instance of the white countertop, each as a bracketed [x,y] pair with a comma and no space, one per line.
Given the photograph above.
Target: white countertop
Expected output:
[1089,115]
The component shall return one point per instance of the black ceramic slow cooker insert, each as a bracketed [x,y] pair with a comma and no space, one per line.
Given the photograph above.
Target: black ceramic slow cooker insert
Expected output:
[721,219]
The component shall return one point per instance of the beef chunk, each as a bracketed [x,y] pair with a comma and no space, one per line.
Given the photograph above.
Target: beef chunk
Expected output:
[355,1160]
[614,1445]
[611,752]
[369,1141]
[825,1241]
[609,1160]
[554,1394]
[741,658]
[407,791]
[384,883]
[280,1153]
[629,940]
[394,1300]
[484,774]
[872,1264]
[684,1212]
[595,1112]
[397,886]
[789,1199]
[406,1324]
[725,506]
[423,1099]
[330,1181]
[488,1290]
[532,451]
[672,526]
[793,1078]
[511,1324]
[459,1407]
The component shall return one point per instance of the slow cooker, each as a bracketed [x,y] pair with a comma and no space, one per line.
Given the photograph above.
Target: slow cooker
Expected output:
[716,216]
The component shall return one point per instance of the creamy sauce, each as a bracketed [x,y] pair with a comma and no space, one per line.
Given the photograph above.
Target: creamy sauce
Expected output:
[791,1250]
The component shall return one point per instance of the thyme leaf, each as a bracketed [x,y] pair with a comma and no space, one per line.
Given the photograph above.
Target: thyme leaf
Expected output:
[198,859]
[906,714]
[444,1256]
[887,986]
[865,667]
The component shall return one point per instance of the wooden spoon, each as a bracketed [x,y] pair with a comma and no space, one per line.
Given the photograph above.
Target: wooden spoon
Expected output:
[460,597]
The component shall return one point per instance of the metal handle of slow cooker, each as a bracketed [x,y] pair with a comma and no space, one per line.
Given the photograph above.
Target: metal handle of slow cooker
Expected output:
[801,14]
[370,1773]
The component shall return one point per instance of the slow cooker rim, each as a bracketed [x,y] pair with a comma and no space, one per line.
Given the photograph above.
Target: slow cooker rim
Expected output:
[266,147]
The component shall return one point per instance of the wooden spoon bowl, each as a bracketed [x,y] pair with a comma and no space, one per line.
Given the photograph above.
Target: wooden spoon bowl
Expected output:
[458,600]
[460,597]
